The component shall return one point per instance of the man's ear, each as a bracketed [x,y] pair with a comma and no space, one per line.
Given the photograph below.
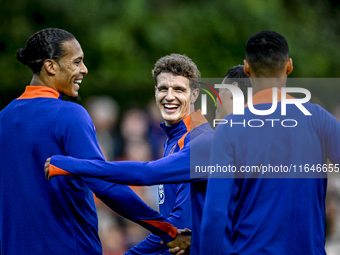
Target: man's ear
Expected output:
[194,96]
[235,84]
[246,67]
[289,66]
[50,66]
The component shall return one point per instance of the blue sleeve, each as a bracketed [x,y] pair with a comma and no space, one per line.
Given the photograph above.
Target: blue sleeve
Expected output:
[77,135]
[330,129]
[180,217]
[171,169]
[215,234]
[150,245]
[75,132]
[121,199]
[216,240]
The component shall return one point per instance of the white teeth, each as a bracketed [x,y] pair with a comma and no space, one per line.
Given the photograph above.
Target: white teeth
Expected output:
[170,106]
[77,81]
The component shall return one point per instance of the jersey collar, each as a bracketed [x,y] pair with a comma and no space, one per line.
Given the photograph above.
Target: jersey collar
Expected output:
[186,125]
[194,120]
[266,96]
[39,91]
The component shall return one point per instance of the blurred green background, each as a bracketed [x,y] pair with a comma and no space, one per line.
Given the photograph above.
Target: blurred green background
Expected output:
[122,39]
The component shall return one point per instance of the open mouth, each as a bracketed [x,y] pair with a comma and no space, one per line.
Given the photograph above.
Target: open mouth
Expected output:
[170,108]
[77,82]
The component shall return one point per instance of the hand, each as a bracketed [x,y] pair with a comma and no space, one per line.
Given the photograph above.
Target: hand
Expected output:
[181,244]
[47,169]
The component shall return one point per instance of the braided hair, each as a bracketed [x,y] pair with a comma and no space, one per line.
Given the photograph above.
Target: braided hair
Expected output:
[44,44]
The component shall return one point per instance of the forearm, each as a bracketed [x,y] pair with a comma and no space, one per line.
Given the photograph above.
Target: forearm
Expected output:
[180,216]
[125,202]
[151,245]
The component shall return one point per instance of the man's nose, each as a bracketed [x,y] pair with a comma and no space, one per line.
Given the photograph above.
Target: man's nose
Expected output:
[83,69]
[170,95]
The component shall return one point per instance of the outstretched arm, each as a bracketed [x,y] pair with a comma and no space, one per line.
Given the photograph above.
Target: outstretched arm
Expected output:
[164,170]
[171,169]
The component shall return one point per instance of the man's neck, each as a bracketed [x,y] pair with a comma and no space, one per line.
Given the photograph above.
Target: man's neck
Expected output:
[37,81]
[259,84]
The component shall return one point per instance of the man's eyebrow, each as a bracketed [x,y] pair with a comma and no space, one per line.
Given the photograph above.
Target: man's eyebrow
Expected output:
[179,86]
[79,58]
[173,87]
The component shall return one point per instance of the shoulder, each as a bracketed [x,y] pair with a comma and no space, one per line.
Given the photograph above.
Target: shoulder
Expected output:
[66,106]
[73,114]
[201,129]
[74,110]
[319,114]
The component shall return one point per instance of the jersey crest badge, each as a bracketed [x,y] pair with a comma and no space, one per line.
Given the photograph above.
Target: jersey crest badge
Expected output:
[161,194]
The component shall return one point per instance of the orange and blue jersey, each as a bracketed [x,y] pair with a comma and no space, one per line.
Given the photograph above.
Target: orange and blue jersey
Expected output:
[182,202]
[247,213]
[58,216]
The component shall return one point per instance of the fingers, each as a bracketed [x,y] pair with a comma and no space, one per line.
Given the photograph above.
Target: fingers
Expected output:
[185,231]
[182,241]
[176,251]
[47,169]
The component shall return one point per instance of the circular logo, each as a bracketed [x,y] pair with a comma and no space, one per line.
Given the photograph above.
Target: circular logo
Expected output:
[161,194]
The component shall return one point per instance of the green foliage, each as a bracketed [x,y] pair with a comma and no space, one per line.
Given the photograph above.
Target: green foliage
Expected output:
[122,39]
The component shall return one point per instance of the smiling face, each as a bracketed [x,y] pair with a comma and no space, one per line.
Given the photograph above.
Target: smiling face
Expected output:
[70,69]
[174,98]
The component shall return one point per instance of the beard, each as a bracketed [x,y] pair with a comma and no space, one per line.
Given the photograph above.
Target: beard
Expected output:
[75,99]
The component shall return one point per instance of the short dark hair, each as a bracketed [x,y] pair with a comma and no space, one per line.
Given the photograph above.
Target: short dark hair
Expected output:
[44,44]
[178,64]
[267,52]
[237,74]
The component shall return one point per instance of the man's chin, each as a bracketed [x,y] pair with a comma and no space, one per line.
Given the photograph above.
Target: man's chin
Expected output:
[169,117]
[171,121]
